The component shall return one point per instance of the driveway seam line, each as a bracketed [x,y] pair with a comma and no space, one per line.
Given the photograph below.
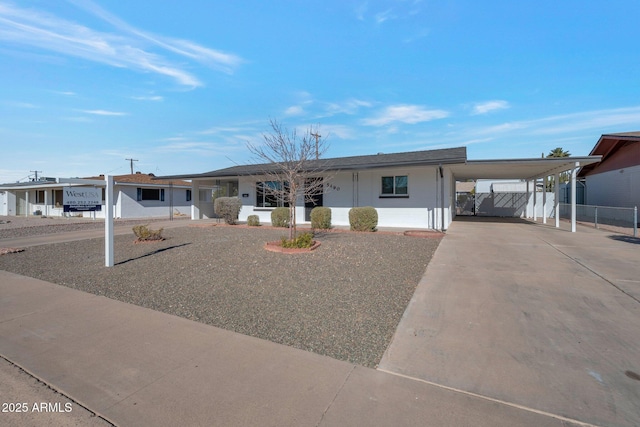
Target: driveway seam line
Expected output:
[353,368]
[492,399]
[593,271]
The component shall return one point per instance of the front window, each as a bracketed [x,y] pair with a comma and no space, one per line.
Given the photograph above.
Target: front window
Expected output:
[151,194]
[397,185]
[57,198]
[40,196]
[269,194]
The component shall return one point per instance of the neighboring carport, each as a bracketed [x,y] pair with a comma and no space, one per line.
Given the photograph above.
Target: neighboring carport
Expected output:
[529,170]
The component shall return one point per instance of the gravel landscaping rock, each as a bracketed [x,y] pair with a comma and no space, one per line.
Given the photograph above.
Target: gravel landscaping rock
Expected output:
[343,300]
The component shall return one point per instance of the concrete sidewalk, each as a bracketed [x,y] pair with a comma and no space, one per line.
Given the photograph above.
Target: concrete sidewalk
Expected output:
[528,314]
[135,366]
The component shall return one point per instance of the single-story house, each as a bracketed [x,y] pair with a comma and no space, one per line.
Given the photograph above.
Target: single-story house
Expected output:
[136,196]
[411,189]
[615,181]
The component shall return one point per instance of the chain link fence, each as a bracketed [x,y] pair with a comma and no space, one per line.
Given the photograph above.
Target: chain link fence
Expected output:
[604,216]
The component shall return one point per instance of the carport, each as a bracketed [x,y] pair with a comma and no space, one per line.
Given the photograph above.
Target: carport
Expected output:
[531,171]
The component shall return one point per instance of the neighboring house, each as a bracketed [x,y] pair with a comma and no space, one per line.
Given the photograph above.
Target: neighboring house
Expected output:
[615,181]
[414,189]
[135,195]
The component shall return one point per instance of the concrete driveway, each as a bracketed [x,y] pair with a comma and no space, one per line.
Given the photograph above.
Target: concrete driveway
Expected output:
[529,315]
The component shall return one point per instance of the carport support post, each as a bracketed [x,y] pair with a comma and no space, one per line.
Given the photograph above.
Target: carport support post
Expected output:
[195,199]
[556,185]
[108,222]
[574,173]
[535,201]
[526,208]
[544,200]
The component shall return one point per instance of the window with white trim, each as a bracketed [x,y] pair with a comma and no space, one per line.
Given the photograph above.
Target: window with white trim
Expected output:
[397,185]
[267,193]
[150,194]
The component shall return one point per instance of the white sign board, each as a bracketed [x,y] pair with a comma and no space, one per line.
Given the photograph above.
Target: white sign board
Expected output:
[81,199]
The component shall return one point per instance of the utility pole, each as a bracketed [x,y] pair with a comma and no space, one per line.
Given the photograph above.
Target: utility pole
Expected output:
[316,135]
[36,172]
[131,161]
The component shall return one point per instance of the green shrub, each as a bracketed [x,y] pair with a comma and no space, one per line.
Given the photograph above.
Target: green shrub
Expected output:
[253,220]
[321,218]
[228,208]
[363,219]
[280,217]
[144,233]
[304,240]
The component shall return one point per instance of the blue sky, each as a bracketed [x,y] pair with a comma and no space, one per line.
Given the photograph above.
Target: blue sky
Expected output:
[183,86]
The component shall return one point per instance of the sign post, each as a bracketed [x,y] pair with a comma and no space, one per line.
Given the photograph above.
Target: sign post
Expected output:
[108,222]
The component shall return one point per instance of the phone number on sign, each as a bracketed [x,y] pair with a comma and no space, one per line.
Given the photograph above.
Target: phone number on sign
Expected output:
[37,407]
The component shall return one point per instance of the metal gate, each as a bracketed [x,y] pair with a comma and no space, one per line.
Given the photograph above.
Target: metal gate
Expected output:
[465,204]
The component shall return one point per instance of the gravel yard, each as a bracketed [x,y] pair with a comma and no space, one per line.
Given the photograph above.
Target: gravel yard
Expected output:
[17,226]
[343,300]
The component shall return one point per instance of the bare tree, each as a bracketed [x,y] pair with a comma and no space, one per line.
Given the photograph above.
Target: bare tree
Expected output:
[289,164]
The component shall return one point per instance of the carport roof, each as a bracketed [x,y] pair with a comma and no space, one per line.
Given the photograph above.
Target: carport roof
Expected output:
[518,168]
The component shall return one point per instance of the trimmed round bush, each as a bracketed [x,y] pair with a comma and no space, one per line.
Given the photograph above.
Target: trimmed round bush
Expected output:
[253,220]
[280,217]
[321,218]
[228,208]
[363,219]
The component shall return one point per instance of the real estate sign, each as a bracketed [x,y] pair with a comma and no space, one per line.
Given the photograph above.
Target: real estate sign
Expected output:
[77,199]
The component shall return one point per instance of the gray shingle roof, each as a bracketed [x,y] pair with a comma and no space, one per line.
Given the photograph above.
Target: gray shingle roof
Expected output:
[411,158]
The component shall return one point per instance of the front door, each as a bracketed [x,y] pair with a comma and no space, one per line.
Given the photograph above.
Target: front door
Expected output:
[314,190]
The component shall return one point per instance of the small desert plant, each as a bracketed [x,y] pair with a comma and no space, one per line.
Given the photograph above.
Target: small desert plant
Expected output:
[304,240]
[144,233]
[321,218]
[363,219]
[253,220]
[228,208]
[280,217]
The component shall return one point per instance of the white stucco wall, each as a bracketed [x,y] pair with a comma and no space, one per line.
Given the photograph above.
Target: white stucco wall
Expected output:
[618,188]
[4,203]
[344,190]
[127,205]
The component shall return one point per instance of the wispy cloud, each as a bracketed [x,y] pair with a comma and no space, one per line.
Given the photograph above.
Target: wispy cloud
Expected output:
[104,113]
[201,148]
[127,48]
[20,104]
[420,34]
[410,114]
[489,106]
[338,131]
[360,11]
[156,98]
[350,106]
[64,93]
[597,120]
[294,110]
[381,17]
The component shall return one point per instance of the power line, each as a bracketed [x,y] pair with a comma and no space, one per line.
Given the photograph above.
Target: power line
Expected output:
[36,172]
